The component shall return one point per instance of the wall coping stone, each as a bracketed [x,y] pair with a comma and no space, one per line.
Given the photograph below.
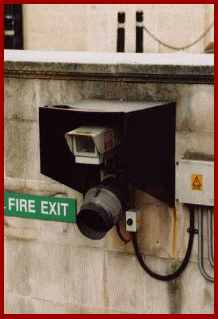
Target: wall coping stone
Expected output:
[130,67]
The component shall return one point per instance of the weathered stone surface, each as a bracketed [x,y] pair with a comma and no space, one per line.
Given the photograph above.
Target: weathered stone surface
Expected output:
[53,92]
[20,99]
[21,149]
[51,267]
[194,142]
[195,108]
[147,67]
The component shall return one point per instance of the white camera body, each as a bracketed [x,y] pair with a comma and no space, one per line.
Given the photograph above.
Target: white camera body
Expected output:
[89,144]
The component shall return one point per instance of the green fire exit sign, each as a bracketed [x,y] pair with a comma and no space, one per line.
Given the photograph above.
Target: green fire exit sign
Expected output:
[40,207]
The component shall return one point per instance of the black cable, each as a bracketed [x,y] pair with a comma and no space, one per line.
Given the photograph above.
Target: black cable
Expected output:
[126,241]
[192,232]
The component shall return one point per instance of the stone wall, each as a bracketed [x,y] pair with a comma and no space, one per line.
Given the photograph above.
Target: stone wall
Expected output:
[93,27]
[50,267]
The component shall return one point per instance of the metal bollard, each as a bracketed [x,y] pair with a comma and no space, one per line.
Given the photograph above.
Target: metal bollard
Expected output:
[121,32]
[139,32]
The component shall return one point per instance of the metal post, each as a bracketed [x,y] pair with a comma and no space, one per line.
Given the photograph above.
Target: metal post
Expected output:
[139,32]
[13,34]
[121,32]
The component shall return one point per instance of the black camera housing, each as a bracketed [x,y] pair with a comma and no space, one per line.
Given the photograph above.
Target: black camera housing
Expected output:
[146,156]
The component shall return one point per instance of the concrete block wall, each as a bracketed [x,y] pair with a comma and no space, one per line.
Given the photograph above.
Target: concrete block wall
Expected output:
[50,267]
[93,27]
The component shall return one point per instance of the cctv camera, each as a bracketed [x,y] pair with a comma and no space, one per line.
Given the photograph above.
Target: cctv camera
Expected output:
[90,144]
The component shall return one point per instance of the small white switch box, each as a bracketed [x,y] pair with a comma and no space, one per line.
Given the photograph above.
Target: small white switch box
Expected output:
[133,220]
[195,182]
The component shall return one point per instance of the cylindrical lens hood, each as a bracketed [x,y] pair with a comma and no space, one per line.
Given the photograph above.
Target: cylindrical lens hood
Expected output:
[102,208]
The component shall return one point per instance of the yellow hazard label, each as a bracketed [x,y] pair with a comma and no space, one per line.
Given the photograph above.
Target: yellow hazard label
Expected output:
[197,182]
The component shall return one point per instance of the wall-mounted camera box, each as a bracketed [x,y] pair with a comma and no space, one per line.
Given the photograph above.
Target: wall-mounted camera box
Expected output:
[146,150]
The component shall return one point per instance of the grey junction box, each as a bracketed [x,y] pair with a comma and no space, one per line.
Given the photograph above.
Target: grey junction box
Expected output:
[195,182]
